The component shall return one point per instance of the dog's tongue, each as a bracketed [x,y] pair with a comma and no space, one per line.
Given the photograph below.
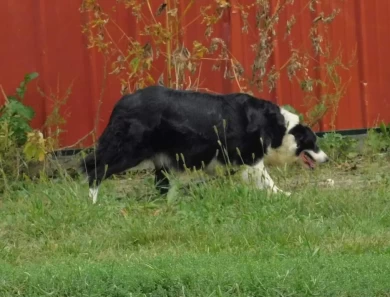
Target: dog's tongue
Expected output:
[309,162]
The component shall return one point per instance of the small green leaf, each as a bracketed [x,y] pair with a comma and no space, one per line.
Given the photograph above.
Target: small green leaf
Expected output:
[30,76]
[19,91]
[134,64]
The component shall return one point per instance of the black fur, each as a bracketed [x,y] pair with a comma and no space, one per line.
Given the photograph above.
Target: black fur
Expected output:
[177,123]
[305,138]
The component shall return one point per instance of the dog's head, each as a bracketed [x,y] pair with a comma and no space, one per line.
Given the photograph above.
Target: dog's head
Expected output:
[307,149]
[298,144]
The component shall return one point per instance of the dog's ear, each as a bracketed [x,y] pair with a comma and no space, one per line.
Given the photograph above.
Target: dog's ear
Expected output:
[298,131]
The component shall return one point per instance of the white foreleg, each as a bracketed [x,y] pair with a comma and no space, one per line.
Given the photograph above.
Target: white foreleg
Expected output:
[259,175]
[93,194]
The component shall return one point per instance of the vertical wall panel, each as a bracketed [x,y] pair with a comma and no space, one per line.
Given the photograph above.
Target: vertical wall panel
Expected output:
[45,36]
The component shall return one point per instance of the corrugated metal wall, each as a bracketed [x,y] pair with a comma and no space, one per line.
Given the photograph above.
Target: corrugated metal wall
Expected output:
[45,36]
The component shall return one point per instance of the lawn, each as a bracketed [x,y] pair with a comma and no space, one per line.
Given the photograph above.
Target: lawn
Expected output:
[216,239]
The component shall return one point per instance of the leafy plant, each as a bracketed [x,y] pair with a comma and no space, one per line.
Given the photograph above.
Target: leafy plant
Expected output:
[338,146]
[15,116]
[35,147]
[15,119]
[378,141]
[162,29]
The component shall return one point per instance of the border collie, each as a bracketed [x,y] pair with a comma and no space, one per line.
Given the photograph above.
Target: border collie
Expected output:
[186,129]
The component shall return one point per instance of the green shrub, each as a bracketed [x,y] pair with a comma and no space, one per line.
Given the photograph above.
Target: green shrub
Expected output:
[378,141]
[338,146]
[15,118]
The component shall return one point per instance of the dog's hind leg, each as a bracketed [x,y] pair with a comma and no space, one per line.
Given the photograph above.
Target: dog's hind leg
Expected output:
[260,176]
[106,168]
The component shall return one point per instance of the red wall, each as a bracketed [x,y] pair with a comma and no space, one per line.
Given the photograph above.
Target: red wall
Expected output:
[45,36]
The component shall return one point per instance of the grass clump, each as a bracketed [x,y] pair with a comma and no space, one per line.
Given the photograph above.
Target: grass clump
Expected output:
[216,239]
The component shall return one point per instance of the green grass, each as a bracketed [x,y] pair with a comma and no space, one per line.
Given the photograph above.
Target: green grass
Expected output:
[217,239]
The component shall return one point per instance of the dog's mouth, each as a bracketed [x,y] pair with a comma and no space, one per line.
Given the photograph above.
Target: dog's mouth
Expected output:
[308,160]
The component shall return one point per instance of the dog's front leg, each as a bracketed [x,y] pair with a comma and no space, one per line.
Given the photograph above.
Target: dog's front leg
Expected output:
[261,178]
[93,194]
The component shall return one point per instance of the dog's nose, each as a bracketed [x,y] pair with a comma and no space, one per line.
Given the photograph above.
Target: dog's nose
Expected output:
[326,159]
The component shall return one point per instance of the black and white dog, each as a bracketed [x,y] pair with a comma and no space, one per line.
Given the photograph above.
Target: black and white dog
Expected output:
[186,129]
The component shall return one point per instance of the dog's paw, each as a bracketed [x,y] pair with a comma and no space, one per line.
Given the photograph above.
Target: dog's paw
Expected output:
[276,190]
